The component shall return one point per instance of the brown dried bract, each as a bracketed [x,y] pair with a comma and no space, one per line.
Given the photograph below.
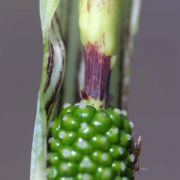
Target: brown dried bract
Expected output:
[137,153]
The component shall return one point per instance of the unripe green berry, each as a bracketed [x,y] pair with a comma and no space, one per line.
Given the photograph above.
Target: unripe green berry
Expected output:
[66,109]
[127,125]
[101,122]
[125,139]
[85,177]
[86,131]
[67,137]
[113,135]
[53,173]
[100,142]
[114,114]
[54,127]
[82,146]
[119,167]
[87,166]
[69,154]
[101,158]
[104,173]
[86,113]
[68,169]
[117,152]
[53,158]
[69,123]
[54,144]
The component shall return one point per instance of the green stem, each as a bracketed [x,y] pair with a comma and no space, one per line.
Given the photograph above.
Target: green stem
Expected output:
[133,24]
[129,19]
[73,48]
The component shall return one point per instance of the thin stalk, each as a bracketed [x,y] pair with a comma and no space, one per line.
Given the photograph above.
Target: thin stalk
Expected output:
[122,72]
[73,55]
[127,53]
[117,74]
[65,7]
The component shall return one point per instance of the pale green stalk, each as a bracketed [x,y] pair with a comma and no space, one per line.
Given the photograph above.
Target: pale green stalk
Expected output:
[128,51]
[73,55]
[129,23]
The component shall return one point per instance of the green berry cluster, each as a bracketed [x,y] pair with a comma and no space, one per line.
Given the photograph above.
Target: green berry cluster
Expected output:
[89,144]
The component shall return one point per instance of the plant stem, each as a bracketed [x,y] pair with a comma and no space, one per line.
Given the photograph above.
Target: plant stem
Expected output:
[98,22]
[120,83]
[73,48]
[132,29]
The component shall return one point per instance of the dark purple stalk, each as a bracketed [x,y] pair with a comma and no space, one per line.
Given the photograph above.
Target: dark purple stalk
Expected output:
[97,73]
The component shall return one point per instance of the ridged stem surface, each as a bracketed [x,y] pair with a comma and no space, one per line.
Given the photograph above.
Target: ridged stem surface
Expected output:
[98,21]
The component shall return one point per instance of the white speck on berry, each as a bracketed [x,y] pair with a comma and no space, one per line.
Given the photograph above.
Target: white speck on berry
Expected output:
[128,137]
[124,112]
[118,111]
[84,125]
[123,166]
[51,140]
[82,105]
[131,124]
[61,135]
[66,105]
[132,157]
